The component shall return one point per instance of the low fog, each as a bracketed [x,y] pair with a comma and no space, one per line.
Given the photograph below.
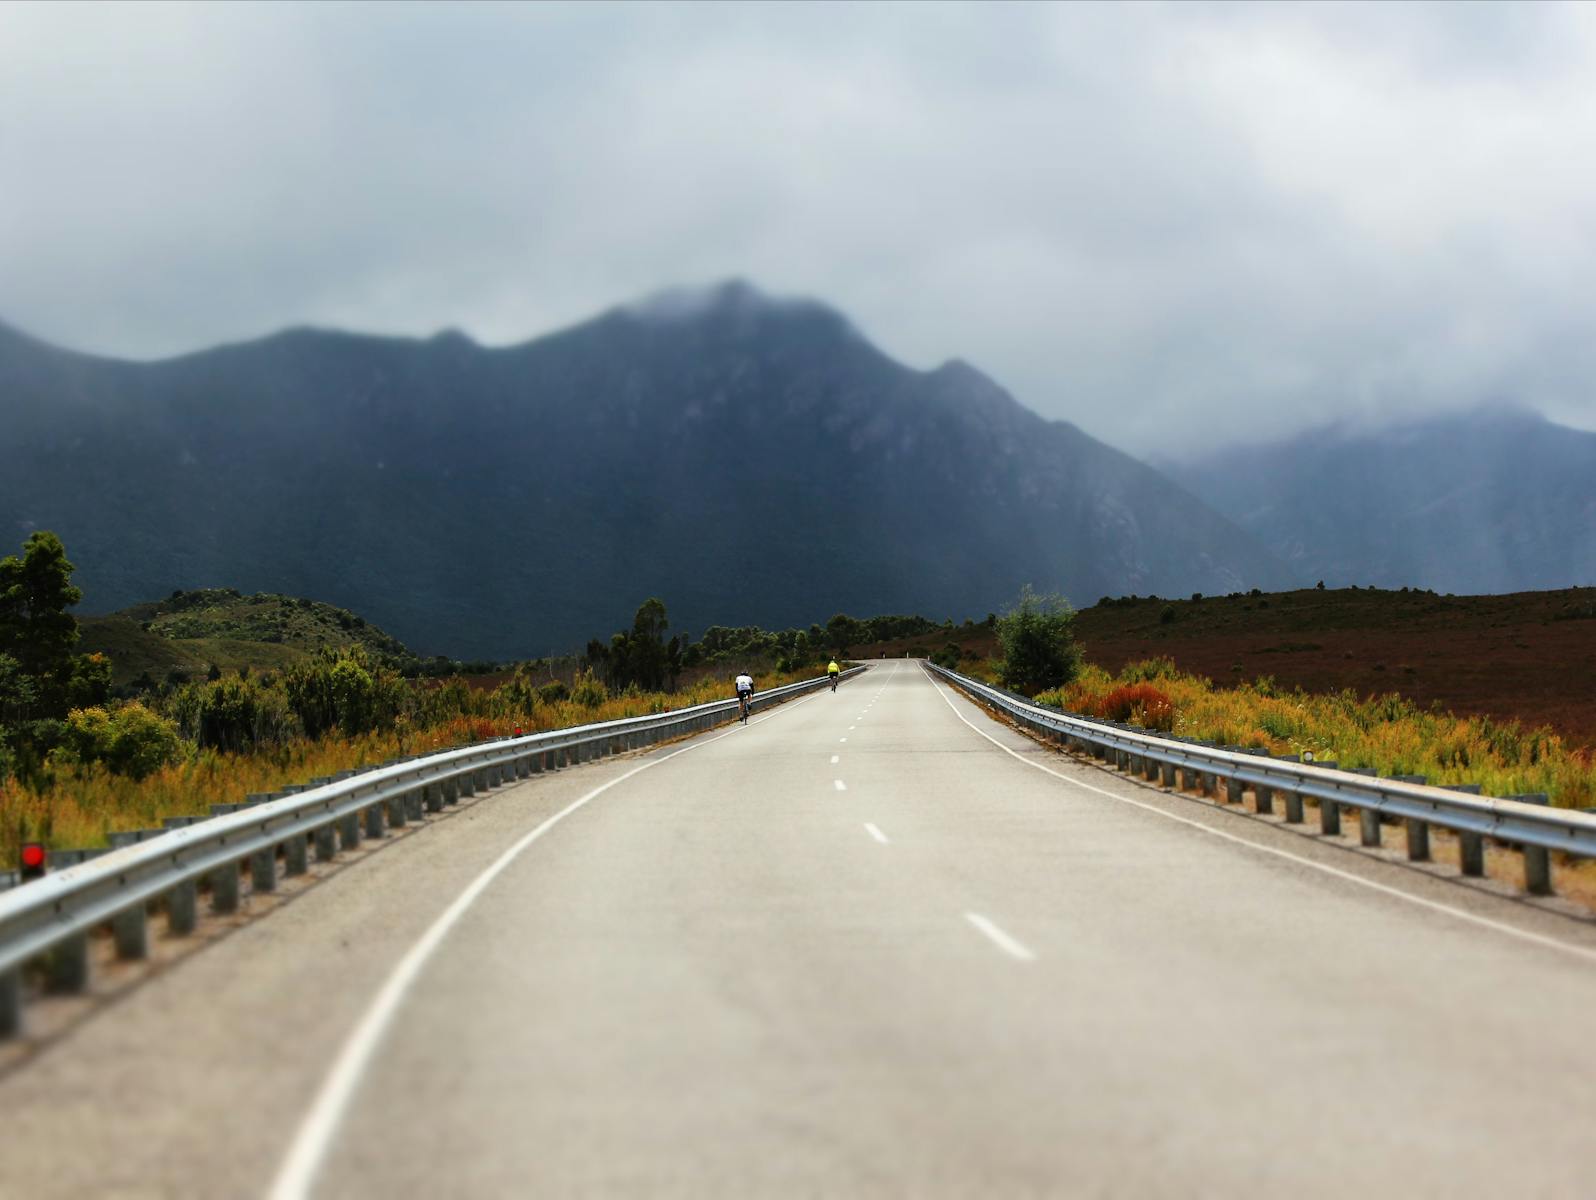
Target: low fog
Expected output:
[1177,226]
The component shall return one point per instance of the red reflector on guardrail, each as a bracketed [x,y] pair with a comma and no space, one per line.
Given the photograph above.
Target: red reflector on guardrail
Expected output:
[33,859]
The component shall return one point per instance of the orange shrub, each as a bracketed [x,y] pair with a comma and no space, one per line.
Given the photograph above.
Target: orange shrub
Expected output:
[1139,703]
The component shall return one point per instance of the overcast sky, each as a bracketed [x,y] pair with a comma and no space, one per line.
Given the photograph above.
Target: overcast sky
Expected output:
[1173,225]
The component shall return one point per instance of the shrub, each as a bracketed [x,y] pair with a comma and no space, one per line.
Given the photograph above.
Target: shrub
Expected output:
[1162,667]
[130,740]
[1037,637]
[553,693]
[1139,703]
[588,691]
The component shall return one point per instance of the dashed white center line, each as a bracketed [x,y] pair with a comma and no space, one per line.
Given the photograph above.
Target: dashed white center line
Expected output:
[835,759]
[1000,939]
[851,728]
[842,739]
[839,785]
[875,833]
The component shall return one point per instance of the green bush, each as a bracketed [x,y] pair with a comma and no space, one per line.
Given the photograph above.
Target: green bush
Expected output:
[130,740]
[589,691]
[1037,637]
[344,690]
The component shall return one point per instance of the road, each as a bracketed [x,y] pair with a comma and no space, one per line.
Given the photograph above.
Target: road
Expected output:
[873,944]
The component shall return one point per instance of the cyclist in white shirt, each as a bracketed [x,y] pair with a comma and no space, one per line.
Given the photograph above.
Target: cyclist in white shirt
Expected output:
[745,694]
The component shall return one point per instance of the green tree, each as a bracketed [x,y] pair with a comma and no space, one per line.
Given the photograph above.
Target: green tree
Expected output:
[640,657]
[35,628]
[1037,637]
[345,690]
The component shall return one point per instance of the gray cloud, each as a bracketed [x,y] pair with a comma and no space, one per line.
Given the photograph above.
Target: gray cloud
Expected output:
[1174,225]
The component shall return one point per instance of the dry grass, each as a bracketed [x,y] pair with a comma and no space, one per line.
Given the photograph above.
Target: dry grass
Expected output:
[1389,733]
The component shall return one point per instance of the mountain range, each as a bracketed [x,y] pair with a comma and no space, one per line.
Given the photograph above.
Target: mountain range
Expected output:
[748,459]
[1490,501]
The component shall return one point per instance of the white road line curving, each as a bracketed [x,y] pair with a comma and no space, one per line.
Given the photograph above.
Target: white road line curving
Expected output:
[1005,943]
[875,833]
[315,1133]
[1538,939]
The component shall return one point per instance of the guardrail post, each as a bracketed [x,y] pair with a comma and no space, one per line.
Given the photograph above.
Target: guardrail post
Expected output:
[1166,774]
[1369,826]
[263,870]
[534,764]
[296,856]
[1418,830]
[1293,803]
[1329,817]
[479,781]
[326,842]
[182,908]
[69,964]
[130,932]
[1470,845]
[398,810]
[349,831]
[1471,853]
[1233,790]
[1263,798]
[1537,871]
[415,803]
[374,828]
[1537,859]
[10,1003]
[224,887]
[431,797]
[1418,840]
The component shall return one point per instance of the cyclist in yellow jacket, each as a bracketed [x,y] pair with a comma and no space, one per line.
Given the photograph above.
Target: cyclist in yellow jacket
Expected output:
[832,672]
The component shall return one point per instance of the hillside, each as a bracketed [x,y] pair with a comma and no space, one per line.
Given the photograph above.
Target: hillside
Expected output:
[1529,656]
[1498,500]
[749,459]
[190,631]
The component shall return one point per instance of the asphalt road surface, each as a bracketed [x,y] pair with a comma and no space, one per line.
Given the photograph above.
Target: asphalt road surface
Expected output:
[872,944]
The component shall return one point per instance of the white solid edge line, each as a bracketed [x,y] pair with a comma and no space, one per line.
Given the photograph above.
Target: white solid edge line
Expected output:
[839,785]
[1000,939]
[1538,939]
[875,833]
[315,1132]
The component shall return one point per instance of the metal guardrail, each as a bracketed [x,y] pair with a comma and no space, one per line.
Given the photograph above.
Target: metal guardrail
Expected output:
[1525,824]
[54,915]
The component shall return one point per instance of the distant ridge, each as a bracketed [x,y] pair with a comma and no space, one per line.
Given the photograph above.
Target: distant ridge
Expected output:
[749,460]
[1492,501]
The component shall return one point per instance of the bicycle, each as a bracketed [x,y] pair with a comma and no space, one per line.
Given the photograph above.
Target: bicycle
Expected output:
[744,703]
[834,679]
